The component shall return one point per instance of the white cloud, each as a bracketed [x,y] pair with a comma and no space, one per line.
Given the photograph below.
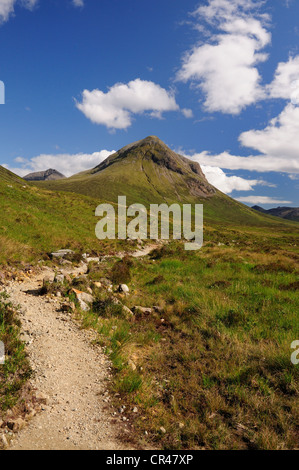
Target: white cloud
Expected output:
[278,145]
[262,200]
[279,139]
[228,184]
[7,7]
[224,68]
[259,163]
[115,109]
[78,3]
[188,113]
[286,81]
[64,163]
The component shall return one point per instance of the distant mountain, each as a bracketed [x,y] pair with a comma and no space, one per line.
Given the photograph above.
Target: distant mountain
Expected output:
[149,172]
[48,175]
[289,213]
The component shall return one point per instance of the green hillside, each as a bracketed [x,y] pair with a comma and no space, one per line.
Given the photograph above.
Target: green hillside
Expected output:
[35,221]
[9,177]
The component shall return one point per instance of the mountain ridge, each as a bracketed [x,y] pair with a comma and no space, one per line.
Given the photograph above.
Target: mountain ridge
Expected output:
[287,213]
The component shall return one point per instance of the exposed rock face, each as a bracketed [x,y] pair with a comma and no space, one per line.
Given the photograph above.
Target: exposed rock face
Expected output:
[48,175]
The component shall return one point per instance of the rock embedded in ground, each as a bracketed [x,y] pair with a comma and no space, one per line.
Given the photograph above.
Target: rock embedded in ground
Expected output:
[61,253]
[123,288]
[83,296]
[98,285]
[143,310]
[59,278]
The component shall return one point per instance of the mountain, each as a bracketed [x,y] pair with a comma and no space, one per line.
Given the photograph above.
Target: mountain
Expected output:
[289,213]
[48,175]
[149,172]
[145,171]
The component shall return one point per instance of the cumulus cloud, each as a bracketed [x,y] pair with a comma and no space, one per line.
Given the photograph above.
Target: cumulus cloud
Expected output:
[262,200]
[228,184]
[7,7]
[259,163]
[66,164]
[116,108]
[279,139]
[277,144]
[225,67]
[286,81]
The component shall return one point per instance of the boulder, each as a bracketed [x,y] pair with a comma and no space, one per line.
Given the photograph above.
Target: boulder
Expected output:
[83,306]
[123,288]
[83,297]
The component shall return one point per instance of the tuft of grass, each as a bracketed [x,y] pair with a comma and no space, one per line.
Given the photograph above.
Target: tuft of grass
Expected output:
[16,371]
[120,272]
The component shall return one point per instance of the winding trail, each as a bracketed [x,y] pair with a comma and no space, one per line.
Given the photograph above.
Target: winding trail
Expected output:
[70,372]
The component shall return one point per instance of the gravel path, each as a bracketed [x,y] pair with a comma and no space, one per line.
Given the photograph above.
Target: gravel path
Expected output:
[70,372]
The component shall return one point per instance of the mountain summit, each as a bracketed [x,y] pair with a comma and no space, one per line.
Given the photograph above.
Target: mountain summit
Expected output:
[144,171]
[48,175]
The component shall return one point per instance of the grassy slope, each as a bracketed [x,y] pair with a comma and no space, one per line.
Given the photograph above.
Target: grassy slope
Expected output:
[228,315]
[35,221]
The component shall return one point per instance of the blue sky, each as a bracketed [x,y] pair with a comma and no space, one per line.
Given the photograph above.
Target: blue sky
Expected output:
[217,80]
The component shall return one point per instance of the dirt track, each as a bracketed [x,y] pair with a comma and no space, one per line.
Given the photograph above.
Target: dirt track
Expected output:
[70,372]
